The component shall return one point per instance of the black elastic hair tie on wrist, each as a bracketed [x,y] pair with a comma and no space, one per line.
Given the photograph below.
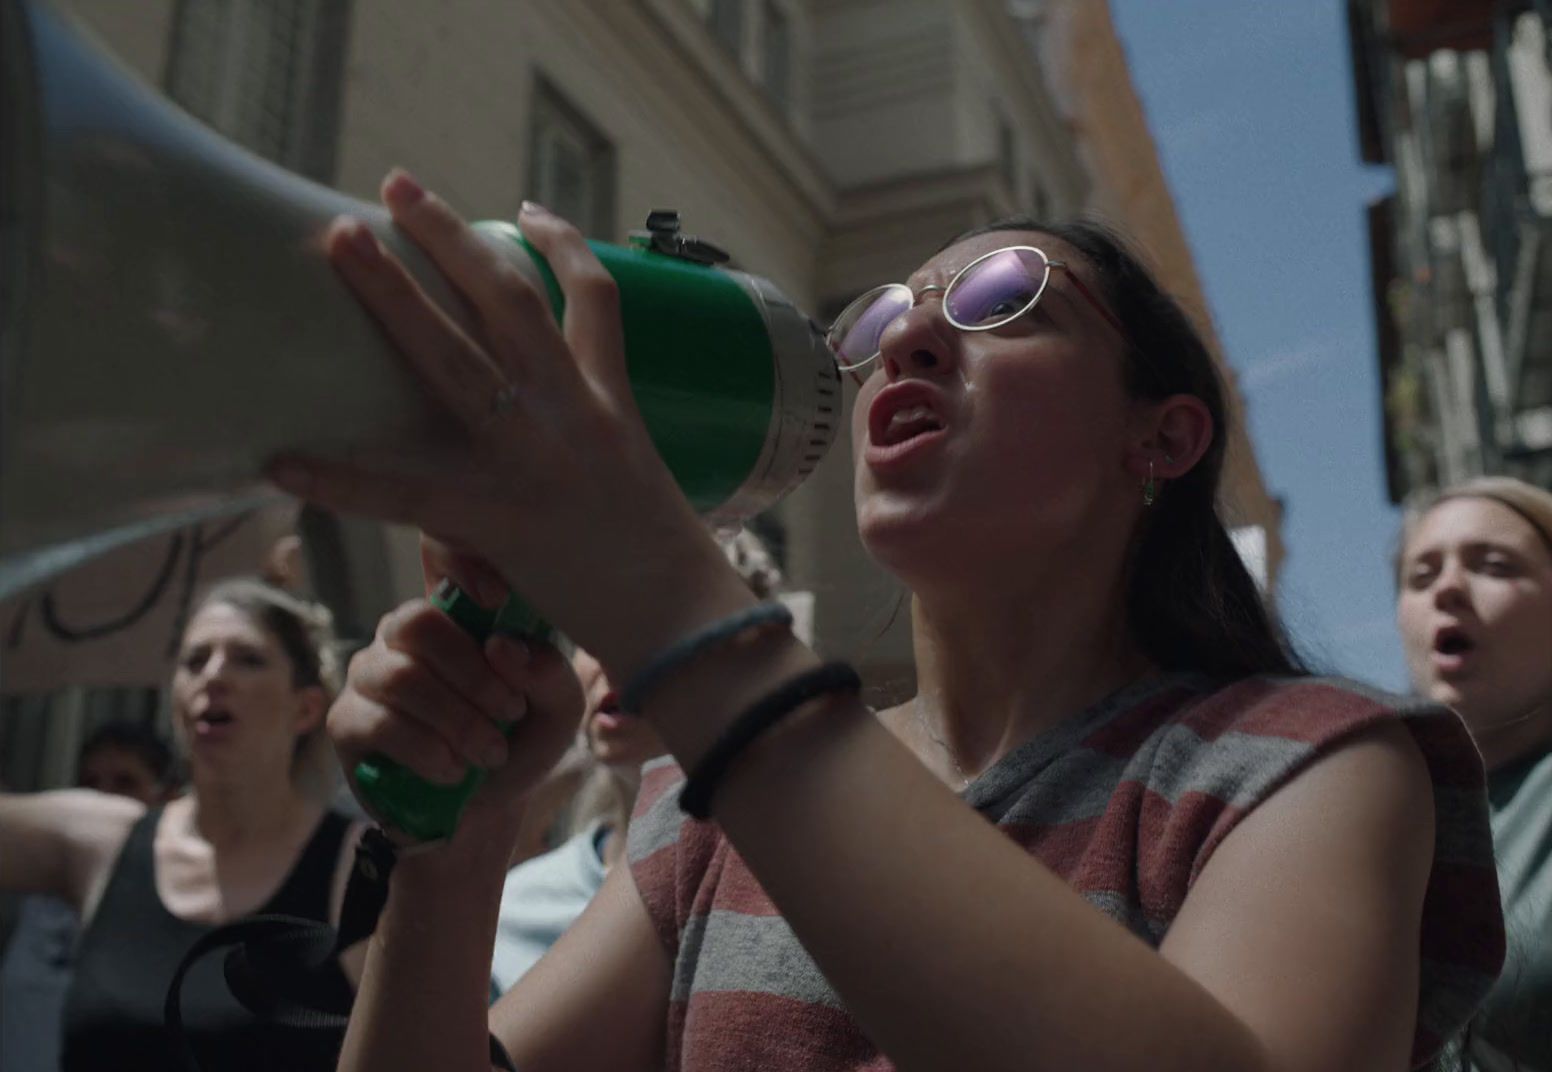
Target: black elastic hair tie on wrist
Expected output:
[648,678]
[695,797]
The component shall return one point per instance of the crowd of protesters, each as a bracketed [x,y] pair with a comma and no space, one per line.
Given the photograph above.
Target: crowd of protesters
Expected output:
[1119,825]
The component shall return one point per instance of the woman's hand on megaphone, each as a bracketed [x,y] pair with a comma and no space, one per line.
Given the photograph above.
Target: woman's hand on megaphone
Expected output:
[441,562]
[557,469]
[430,697]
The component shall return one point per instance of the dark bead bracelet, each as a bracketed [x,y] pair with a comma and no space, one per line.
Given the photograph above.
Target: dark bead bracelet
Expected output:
[695,797]
[677,654]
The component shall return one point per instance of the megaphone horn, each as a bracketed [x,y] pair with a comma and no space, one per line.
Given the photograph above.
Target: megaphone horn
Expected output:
[171,322]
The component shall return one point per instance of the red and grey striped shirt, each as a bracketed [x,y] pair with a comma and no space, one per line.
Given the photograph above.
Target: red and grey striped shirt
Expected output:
[1126,802]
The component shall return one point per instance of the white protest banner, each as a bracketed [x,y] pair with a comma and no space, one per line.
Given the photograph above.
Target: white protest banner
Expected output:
[117,618]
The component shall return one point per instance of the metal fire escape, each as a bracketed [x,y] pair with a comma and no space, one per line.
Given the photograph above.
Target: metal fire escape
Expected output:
[1457,97]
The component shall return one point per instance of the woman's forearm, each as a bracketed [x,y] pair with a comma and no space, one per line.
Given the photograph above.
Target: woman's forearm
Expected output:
[424,998]
[951,947]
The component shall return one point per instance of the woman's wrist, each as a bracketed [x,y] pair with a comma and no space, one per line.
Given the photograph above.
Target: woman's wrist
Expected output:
[479,848]
[677,599]
[429,883]
[693,707]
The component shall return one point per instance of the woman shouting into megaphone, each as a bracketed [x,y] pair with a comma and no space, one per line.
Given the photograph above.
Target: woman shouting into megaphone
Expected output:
[1117,828]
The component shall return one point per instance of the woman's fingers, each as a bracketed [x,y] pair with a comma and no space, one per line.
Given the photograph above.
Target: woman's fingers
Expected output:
[419,685]
[361,727]
[457,370]
[398,702]
[593,328]
[408,690]
[511,310]
[432,639]
[474,575]
[554,694]
[386,492]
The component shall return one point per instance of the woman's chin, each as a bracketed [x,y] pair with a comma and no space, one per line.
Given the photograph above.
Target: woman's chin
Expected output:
[892,531]
[923,543]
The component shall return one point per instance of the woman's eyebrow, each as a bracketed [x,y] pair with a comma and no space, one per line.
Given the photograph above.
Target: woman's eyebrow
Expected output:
[1482,546]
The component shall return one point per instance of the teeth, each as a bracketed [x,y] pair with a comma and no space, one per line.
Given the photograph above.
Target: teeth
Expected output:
[911,415]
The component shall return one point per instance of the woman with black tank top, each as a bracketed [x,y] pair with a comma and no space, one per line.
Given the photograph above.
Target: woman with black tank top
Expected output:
[254,678]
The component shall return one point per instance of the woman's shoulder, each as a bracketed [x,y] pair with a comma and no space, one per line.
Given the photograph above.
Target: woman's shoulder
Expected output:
[1231,748]
[1303,705]
[1256,732]
[93,828]
[95,824]
[1318,714]
[1323,713]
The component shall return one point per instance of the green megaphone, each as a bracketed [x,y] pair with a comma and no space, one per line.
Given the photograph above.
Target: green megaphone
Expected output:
[739,392]
[168,321]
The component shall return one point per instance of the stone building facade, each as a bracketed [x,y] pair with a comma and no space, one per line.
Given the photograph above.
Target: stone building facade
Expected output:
[829,144]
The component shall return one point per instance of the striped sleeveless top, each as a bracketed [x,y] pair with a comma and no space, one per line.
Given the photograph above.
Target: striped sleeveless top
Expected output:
[1126,802]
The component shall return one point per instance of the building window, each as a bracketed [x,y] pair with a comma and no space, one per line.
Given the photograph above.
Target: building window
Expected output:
[570,164]
[776,66]
[268,74]
[760,39]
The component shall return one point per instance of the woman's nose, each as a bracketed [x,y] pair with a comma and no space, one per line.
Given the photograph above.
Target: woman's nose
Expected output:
[918,343]
[1449,588]
[216,667]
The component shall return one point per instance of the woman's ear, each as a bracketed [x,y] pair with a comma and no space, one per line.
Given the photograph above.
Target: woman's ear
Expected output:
[312,706]
[1170,436]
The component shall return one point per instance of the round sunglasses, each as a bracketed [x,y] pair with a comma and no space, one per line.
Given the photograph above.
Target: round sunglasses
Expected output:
[992,290]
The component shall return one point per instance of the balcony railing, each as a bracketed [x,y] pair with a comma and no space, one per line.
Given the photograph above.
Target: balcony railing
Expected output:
[1463,254]
[1419,27]
[1516,204]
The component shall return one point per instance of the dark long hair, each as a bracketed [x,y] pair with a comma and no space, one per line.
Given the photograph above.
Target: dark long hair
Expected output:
[1191,603]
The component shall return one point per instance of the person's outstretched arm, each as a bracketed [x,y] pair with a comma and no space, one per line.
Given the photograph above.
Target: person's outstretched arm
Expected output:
[62,842]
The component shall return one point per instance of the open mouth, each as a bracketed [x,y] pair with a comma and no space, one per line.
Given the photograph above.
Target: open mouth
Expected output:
[609,715]
[902,414]
[908,424]
[213,718]
[1452,641]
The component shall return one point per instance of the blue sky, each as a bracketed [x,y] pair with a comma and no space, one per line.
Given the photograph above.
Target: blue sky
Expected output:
[1251,106]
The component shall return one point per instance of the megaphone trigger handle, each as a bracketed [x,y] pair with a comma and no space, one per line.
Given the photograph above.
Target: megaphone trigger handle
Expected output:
[424,810]
[479,622]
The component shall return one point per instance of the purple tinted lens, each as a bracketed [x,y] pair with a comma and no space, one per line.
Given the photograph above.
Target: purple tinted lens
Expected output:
[855,336]
[996,289]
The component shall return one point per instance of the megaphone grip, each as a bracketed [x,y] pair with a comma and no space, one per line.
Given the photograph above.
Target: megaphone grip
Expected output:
[424,810]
